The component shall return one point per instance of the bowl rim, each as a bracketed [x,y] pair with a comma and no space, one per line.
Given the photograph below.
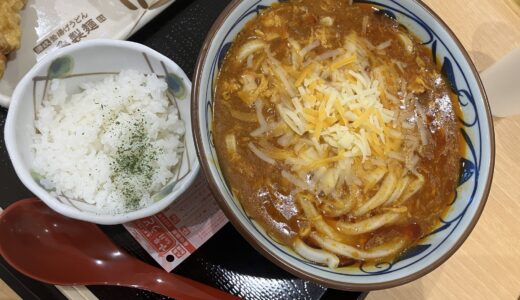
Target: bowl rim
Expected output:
[224,205]
[37,190]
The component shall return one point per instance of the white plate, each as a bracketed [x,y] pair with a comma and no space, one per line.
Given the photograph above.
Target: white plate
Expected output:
[51,24]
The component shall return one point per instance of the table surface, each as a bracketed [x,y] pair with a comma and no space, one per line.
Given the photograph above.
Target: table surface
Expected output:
[487,266]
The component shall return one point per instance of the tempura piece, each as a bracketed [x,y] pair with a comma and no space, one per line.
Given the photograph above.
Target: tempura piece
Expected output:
[10,32]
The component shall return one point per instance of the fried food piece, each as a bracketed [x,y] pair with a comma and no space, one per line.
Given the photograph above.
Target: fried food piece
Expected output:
[9,29]
[9,26]
[17,4]
[3,59]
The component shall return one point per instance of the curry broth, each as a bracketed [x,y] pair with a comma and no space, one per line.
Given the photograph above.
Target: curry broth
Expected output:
[264,193]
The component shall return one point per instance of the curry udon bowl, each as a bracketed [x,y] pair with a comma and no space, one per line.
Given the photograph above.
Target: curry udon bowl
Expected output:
[476,169]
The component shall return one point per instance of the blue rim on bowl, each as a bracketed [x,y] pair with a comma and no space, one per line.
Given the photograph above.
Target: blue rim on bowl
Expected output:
[477,165]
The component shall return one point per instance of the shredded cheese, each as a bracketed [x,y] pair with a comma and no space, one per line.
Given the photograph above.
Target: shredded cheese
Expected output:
[342,61]
[334,113]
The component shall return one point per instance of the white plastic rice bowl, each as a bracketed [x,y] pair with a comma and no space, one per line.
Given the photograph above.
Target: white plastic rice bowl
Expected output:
[170,163]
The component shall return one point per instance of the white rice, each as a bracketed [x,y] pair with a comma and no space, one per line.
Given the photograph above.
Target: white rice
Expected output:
[113,145]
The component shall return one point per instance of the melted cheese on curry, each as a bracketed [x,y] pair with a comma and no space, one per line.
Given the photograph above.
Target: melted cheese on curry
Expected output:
[336,130]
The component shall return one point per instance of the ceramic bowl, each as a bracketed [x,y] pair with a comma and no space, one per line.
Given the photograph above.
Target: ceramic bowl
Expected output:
[92,61]
[477,162]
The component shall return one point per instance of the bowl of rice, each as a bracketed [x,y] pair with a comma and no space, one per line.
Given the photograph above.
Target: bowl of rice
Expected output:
[101,131]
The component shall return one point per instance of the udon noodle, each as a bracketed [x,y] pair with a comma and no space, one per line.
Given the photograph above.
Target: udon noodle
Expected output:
[336,131]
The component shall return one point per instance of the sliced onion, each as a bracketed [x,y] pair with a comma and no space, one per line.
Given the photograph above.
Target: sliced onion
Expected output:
[423,133]
[282,75]
[295,181]
[309,48]
[285,140]
[364,25]
[250,48]
[396,155]
[391,97]
[250,61]
[261,154]
[259,106]
[384,45]
[231,143]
